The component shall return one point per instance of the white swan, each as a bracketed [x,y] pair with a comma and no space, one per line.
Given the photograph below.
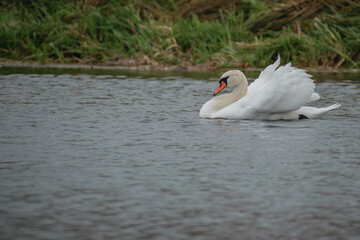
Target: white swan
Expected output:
[278,94]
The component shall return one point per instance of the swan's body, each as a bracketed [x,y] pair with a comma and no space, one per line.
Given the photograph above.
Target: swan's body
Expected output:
[276,94]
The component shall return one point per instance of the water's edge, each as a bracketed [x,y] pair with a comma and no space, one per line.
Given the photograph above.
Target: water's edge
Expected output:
[175,68]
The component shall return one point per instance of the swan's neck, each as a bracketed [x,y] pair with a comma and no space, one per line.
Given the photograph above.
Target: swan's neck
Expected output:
[219,102]
[238,92]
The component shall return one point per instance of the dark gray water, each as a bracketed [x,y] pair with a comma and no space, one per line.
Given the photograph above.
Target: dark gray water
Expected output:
[125,156]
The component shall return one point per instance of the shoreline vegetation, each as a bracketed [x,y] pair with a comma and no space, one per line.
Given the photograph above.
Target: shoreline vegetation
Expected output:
[190,35]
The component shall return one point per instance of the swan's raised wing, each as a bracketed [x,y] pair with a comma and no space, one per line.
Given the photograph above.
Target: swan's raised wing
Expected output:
[275,91]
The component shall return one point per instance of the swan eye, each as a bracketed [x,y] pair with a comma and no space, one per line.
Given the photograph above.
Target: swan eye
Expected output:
[222,85]
[224,79]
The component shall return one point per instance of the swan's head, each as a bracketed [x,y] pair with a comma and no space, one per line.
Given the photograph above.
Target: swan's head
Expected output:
[231,78]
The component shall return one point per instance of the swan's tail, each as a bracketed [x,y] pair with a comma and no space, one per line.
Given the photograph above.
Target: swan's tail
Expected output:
[312,112]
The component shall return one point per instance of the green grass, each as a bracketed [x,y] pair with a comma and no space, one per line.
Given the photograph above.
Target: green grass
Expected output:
[248,33]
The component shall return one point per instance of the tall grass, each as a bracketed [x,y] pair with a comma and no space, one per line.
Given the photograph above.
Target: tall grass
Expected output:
[324,33]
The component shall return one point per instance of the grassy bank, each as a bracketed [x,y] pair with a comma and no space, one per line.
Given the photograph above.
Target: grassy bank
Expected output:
[219,33]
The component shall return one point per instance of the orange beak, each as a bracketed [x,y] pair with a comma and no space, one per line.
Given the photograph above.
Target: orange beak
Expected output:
[222,85]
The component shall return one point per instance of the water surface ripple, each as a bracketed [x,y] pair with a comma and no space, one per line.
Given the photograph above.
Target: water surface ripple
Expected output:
[126,157]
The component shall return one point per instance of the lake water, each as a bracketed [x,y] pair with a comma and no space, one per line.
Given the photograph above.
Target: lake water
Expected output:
[123,155]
